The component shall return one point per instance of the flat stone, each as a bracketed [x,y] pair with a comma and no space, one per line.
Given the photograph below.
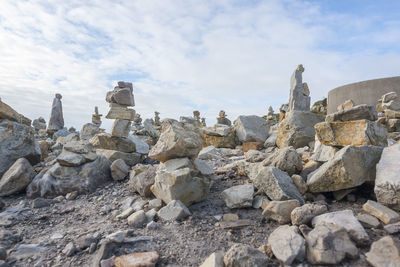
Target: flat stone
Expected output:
[384,252]
[280,210]
[139,259]
[121,112]
[17,177]
[381,212]
[8,113]
[175,210]
[260,202]
[240,196]
[323,153]
[246,146]
[254,156]
[346,105]
[106,141]
[24,251]
[368,221]
[251,129]
[130,158]
[305,213]
[141,146]
[70,159]
[203,167]
[360,112]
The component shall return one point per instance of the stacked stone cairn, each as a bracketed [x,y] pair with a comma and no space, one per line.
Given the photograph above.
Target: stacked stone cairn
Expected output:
[221,135]
[91,129]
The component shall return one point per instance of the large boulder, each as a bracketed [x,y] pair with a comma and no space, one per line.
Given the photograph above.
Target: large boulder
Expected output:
[60,180]
[355,133]
[297,129]
[109,142]
[239,196]
[17,178]
[286,159]
[350,167]
[17,141]
[177,140]
[360,112]
[251,129]
[88,131]
[8,113]
[387,183]
[220,136]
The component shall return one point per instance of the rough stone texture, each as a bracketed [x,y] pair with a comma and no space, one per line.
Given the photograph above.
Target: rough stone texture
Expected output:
[329,244]
[254,156]
[360,112]
[252,146]
[130,158]
[173,211]
[120,112]
[56,121]
[348,221]
[60,180]
[299,92]
[180,185]
[381,212]
[384,252]
[106,141]
[176,164]
[323,153]
[297,129]
[214,260]
[271,140]
[387,183]
[88,131]
[122,94]
[239,196]
[177,140]
[299,182]
[17,178]
[243,255]
[228,141]
[356,133]
[351,167]
[71,159]
[38,124]
[121,128]
[276,184]
[139,259]
[143,180]
[119,170]
[8,113]
[286,159]
[287,244]
[17,141]
[309,167]
[141,146]
[251,129]
[137,219]
[368,221]
[305,213]
[203,167]
[149,128]
[280,210]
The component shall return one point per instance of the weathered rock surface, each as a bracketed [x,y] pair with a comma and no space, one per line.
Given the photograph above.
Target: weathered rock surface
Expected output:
[139,259]
[285,159]
[141,146]
[130,158]
[381,212]
[360,112]
[297,129]
[177,140]
[220,136]
[299,182]
[106,141]
[239,196]
[8,113]
[387,183]
[255,156]
[173,211]
[384,252]
[350,167]
[323,153]
[17,178]
[251,129]
[305,213]
[214,260]
[137,219]
[368,221]
[280,210]
[122,94]
[287,244]
[88,131]
[271,140]
[244,255]
[121,128]
[143,180]
[119,170]
[355,133]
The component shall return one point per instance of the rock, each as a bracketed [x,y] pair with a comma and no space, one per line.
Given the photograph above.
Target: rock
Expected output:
[387,183]
[137,219]
[24,251]
[120,112]
[180,185]
[41,203]
[177,140]
[271,140]
[71,195]
[109,142]
[38,124]
[8,113]
[220,136]
[70,159]
[246,146]
[8,239]
[368,221]
[276,184]
[119,170]
[323,153]
[139,259]
[320,107]
[130,158]
[69,249]
[104,252]
[2,205]
[214,260]
[150,130]
[173,211]
[56,121]
[299,92]
[141,146]
[122,94]
[121,128]
[280,210]
[254,156]
[244,255]
[299,182]
[88,131]
[17,141]
[230,217]
[329,244]
[351,167]
[346,105]
[217,130]
[143,181]
[356,133]
[360,112]
[251,129]
[305,213]
[155,204]
[381,212]
[392,228]
[287,244]
[203,167]
[393,125]
[348,221]
[17,178]
[297,129]
[285,159]
[240,196]
[3,254]
[60,180]
[384,252]
[260,202]
[176,164]
[309,167]
[209,153]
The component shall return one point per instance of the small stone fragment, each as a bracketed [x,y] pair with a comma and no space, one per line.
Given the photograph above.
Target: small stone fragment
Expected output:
[239,196]
[305,213]
[280,210]
[381,212]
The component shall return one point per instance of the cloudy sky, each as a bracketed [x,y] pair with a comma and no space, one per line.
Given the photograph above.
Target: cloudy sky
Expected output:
[184,55]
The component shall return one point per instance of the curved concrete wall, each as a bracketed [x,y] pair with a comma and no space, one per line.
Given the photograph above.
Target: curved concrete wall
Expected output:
[366,92]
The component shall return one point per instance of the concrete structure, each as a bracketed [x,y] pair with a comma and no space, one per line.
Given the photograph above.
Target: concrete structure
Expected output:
[366,92]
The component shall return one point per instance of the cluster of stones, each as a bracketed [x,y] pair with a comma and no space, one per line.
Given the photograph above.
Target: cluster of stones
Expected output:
[389,114]
[150,130]
[91,129]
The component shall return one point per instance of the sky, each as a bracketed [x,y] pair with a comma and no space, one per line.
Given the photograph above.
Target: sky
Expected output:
[185,55]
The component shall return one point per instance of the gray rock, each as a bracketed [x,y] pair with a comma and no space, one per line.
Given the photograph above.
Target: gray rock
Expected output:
[368,221]
[104,252]
[348,221]
[69,249]
[56,121]
[150,130]
[130,158]
[203,167]
[297,129]
[251,129]
[17,141]
[143,180]
[209,153]
[381,212]
[137,219]
[299,92]
[384,252]
[121,128]
[41,203]
[79,147]
[61,133]
[141,146]
[24,251]
[299,183]
[122,95]
[176,164]
[218,130]
[39,124]
[387,183]
[254,156]
[276,184]
[88,131]
[323,153]
[305,213]
[392,228]
[360,112]
[155,204]
[70,159]
[280,210]
[286,159]
[173,211]
[271,140]
[214,260]
[119,170]
[351,167]
[8,239]
[246,256]
[287,244]
[17,178]
[3,254]
[239,196]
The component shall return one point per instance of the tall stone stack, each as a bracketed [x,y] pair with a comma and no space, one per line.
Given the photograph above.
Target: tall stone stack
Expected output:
[118,144]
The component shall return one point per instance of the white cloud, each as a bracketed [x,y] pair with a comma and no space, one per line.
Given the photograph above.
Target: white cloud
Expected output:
[182,55]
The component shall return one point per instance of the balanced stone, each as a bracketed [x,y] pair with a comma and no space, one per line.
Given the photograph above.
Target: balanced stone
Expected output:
[120,112]
[122,94]
[299,92]
[121,128]
[251,129]
[222,119]
[56,121]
